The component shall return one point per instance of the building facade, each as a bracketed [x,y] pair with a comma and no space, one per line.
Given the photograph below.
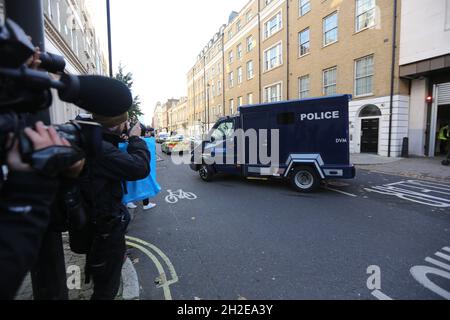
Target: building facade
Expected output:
[425,61]
[275,50]
[178,117]
[69,32]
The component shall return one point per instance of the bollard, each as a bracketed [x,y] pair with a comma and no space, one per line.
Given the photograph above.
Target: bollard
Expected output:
[405,148]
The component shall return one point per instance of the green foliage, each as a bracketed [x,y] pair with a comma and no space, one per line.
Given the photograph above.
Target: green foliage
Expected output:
[127,78]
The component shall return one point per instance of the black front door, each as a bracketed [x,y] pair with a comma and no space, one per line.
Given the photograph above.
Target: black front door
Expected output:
[369,138]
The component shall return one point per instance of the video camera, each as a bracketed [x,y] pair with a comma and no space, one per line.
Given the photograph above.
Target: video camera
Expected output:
[25,91]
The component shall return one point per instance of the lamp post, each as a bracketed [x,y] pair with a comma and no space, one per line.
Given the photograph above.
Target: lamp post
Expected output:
[49,273]
[108,17]
[207,106]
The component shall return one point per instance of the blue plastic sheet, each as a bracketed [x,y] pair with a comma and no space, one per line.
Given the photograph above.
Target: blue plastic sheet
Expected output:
[148,187]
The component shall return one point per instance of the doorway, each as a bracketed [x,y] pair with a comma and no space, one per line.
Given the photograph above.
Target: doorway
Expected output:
[369,135]
[370,128]
[443,119]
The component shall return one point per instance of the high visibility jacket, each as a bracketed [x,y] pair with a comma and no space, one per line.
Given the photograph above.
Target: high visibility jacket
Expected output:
[444,134]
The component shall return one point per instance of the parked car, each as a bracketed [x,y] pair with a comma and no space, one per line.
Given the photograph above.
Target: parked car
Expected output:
[162,137]
[176,145]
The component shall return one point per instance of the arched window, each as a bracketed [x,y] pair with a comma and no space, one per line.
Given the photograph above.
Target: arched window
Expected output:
[370,110]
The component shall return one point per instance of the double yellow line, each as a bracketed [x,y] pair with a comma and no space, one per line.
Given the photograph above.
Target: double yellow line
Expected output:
[147,248]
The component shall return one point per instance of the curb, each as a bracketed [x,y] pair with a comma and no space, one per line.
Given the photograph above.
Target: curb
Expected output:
[130,281]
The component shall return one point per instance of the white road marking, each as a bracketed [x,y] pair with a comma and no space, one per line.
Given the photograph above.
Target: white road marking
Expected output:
[443,256]
[164,284]
[440,269]
[380,295]
[174,196]
[423,192]
[342,192]
[438,263]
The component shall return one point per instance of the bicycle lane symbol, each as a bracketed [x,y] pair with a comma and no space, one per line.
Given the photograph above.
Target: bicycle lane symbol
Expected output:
[174,196]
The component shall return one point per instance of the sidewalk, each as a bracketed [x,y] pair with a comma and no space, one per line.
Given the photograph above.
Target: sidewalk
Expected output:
[416,168]
[129,289]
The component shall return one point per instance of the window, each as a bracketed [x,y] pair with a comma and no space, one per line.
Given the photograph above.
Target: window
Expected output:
[370,110]
[239,51]
[304,7]
[224,130]
[239,26]
[249,43]
[213,90]
[273,57]
[250,73]
[329,81]
[304,42]
[268,2]
[330,29]
[239,101]
[58,16]
[231,106]
[230,57]
[250,98]
[219,88]
[364,76]
[248,16]
[273,25]
[231,79]
[230,34]
[303,87]
[365,14]
[219,69]
[273,93]
[286,118]
[239,75]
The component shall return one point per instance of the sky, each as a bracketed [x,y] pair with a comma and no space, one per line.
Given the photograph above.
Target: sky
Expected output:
[158,41]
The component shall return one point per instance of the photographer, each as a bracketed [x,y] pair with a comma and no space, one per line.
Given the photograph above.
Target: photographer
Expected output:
[104,195]
[25,200]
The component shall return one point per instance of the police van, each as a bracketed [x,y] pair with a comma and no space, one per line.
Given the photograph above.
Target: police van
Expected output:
[304,142]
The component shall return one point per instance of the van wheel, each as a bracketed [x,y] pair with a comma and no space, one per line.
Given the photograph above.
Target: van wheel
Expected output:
[304,179]
[206,173]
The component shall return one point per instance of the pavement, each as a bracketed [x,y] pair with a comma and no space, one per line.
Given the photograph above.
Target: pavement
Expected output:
[129,289]
[417,168]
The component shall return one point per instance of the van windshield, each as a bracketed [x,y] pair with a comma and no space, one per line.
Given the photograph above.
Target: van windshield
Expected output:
[223,131]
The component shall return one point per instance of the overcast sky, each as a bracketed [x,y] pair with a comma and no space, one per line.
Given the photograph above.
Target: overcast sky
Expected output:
[158,41]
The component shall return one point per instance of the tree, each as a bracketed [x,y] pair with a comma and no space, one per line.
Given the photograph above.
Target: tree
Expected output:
[127,78]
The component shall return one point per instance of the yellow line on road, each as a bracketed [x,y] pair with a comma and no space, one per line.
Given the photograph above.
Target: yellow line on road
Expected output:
[163,256]
[164,284]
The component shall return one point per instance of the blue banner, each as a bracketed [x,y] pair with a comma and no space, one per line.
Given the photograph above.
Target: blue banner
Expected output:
[148,187]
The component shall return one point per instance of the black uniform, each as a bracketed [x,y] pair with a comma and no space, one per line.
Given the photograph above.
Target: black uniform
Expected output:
[110,217]
[24,216]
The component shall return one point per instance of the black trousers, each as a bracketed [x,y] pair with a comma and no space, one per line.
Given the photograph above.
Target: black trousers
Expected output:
[105,261]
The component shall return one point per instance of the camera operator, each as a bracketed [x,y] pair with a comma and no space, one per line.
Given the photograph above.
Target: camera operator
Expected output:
[110,217]
[25,200]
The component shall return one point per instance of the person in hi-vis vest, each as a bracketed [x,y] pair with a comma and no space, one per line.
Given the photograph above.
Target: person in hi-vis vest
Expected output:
[443,138]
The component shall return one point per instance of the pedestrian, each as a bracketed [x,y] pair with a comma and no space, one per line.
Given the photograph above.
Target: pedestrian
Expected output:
[103,193]
[443,138]
[146,132]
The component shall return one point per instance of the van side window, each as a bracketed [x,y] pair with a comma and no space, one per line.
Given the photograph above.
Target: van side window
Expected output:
[224,130]
[286,118]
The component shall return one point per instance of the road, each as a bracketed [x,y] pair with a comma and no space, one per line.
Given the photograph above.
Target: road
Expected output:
[244,239]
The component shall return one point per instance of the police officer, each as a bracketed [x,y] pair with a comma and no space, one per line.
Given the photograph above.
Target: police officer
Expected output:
[104,194]
[25,201]
[443,137]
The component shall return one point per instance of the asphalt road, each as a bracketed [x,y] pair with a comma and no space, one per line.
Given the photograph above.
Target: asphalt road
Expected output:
[244,239]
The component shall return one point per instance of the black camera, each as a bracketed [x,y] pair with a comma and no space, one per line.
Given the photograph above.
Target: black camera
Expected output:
[24,91]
